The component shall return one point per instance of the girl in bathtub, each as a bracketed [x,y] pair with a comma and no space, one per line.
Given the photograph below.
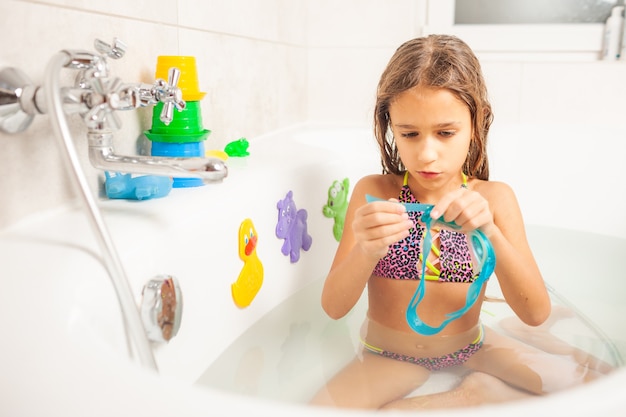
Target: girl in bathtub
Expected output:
[432,117]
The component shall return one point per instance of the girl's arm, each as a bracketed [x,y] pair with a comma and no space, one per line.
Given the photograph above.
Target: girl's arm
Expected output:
[494,209]
[368,232]
[517,271]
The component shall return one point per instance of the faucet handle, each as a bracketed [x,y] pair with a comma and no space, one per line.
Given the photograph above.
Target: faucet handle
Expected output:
[115,51]
[171,96]
[173,75]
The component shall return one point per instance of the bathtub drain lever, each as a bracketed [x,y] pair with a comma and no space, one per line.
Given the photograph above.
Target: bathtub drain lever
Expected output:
[162,308]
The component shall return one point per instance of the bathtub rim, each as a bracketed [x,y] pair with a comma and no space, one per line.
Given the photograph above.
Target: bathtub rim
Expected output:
[201,400]
[195,399]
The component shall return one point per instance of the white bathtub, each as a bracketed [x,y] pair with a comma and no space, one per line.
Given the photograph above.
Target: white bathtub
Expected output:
[63,350]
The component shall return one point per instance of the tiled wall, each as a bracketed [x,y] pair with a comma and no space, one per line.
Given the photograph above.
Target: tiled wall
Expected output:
[559,138]
[267,64]
[253,57]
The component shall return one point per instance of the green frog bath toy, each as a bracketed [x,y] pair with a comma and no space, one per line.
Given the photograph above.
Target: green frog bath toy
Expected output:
[337,205]
[238,147]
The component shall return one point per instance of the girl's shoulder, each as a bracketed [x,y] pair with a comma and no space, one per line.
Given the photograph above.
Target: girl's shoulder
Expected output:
[496,192]
[484,186]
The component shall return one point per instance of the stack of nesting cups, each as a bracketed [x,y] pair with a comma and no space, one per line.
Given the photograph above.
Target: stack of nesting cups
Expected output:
[184,136]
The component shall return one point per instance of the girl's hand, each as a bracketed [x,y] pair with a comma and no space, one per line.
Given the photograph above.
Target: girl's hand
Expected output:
[379,224]
[468,209]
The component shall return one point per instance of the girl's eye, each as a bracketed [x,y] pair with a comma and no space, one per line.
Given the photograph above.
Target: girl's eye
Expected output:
[410,134]
[447,133]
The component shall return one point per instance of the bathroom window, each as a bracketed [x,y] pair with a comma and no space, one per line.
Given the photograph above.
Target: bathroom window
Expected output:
[524,29]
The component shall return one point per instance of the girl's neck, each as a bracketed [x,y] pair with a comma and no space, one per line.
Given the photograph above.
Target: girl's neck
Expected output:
[430,193]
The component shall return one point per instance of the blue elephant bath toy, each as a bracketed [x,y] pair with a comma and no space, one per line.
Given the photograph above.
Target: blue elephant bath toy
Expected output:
[124,186]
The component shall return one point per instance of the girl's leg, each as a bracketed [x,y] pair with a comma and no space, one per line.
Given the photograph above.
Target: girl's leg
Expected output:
[369,381]
[507,370]
[542,338]
[476,389]
[526,367]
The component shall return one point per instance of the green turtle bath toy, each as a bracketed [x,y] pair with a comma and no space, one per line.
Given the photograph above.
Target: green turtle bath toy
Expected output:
[337,205]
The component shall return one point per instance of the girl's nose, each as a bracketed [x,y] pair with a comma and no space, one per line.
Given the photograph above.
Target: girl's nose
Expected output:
[427,150]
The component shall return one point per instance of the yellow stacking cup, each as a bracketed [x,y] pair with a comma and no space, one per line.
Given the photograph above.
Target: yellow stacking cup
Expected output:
[188,82]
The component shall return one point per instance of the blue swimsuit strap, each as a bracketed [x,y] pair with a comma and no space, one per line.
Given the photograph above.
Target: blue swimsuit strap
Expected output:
[484,253]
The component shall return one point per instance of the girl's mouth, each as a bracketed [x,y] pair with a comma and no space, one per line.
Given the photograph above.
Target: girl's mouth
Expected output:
[428,175]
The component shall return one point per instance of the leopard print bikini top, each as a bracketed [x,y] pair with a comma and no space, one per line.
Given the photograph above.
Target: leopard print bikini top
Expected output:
[403,259]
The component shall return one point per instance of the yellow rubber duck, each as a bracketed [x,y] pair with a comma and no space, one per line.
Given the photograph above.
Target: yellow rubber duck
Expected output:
[251,276]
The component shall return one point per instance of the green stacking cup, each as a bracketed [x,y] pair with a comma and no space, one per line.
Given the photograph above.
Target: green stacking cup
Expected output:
[185,127]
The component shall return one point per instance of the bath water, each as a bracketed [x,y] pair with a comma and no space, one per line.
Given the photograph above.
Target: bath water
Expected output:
[289,353]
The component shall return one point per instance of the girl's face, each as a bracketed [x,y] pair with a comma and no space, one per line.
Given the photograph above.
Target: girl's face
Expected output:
[432,130]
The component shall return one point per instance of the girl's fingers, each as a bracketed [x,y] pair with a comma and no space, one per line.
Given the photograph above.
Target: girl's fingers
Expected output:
[378,214]
[450,205]
[467,209]
[390,206]
[379,224]
[378,247]
[388,230]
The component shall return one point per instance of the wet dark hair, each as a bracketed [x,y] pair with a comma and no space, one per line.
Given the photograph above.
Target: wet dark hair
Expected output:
[439,61]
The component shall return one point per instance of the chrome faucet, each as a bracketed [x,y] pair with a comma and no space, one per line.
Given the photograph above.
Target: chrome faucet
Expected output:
[96,96]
